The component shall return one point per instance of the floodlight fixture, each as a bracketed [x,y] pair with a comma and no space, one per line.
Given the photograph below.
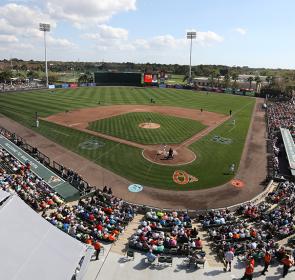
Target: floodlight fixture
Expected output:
[190,36]
[45,27]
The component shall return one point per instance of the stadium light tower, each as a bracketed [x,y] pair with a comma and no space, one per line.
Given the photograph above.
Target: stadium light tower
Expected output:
[191,35]
[45,27]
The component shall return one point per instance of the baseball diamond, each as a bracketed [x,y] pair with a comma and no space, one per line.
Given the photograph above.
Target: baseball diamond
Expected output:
[68,116]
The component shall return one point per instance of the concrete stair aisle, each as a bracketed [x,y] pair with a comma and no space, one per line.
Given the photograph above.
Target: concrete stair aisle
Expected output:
[121,244]
[211,257]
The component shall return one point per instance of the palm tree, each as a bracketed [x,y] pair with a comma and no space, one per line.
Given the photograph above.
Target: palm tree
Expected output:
[218,79]
[235,76]
[268,79]
[250,80]
[258,82]
[83,79]
[226,80]
[214,74]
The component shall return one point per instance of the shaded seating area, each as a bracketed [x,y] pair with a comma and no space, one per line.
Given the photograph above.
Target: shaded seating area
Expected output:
[257,227]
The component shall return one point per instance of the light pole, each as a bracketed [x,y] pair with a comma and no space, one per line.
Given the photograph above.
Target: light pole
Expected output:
[45,27]
[191,35]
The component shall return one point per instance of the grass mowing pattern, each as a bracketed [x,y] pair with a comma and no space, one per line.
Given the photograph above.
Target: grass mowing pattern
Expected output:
[173,130]
[212,161]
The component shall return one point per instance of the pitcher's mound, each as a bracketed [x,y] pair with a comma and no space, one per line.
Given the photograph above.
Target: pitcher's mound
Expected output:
[149,125]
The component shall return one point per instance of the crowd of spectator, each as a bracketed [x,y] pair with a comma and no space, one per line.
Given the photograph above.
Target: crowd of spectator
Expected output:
[17,177]
[166,232]
[279,114]
[101,216]
[18,86]
[67,174]
[75,180]
[253,230]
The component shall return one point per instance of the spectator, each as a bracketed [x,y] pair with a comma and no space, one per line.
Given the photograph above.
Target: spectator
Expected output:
[97,247]
[267,259]
[228,256]
[249,269]
[287,263]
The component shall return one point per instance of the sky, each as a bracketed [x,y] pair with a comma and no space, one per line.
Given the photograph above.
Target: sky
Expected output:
[254,33]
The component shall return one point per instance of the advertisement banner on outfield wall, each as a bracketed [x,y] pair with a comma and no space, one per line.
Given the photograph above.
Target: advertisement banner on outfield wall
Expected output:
[91,84]
[65,85]
[162,86]
[73,85]
[83,85]
[58,86]
[148,78]
[51,86]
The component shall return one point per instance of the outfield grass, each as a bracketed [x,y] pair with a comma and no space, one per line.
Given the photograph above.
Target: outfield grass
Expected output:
[173,130]
[212,161]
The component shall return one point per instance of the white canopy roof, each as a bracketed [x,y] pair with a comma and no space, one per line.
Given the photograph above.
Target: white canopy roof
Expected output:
[3,195]
[33,249]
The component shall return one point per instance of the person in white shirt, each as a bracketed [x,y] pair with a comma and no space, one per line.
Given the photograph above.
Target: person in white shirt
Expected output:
[228,256]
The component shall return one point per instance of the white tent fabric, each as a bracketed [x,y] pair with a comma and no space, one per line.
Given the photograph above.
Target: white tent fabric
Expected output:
[3,195]
[33,249]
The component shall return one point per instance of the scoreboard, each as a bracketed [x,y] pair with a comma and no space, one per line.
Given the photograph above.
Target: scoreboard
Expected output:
[117,78]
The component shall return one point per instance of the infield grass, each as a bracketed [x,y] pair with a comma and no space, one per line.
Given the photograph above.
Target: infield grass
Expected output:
[172,129]
[213,159]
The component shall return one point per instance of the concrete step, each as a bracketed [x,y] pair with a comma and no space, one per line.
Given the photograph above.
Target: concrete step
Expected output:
[121,244]
[211,258]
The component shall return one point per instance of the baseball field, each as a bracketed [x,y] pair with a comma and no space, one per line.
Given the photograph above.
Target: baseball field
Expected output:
[103,124]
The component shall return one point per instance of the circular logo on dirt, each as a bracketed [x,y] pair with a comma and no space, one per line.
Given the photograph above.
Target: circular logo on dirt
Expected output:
[91,144]
[182,178]
[135,188]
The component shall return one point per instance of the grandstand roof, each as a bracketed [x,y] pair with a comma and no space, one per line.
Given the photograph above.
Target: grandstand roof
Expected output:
[290,148]
[3,195]
[32,249]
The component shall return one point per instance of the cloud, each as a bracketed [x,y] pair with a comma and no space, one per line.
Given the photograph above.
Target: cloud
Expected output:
[20,16]
[109,32]
[59,42]
[241,31]
[20,24]
[117,38]
[88,12]
[4,39]
[208,37]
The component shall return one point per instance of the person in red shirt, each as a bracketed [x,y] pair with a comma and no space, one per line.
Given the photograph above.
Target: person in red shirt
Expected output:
[287,262]
[249,269]
[267,259]
[198,243]
[97,247]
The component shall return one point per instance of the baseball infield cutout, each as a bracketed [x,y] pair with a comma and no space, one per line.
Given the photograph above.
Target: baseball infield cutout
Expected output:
[181,177]
[91,144]
[149,125]
[237,183]
[135,188]
[221,140]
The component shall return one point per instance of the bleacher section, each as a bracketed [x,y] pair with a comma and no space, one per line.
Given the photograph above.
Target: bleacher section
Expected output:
[63,188]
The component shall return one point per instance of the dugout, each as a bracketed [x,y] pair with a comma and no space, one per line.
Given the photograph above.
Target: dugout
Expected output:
[117,78]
